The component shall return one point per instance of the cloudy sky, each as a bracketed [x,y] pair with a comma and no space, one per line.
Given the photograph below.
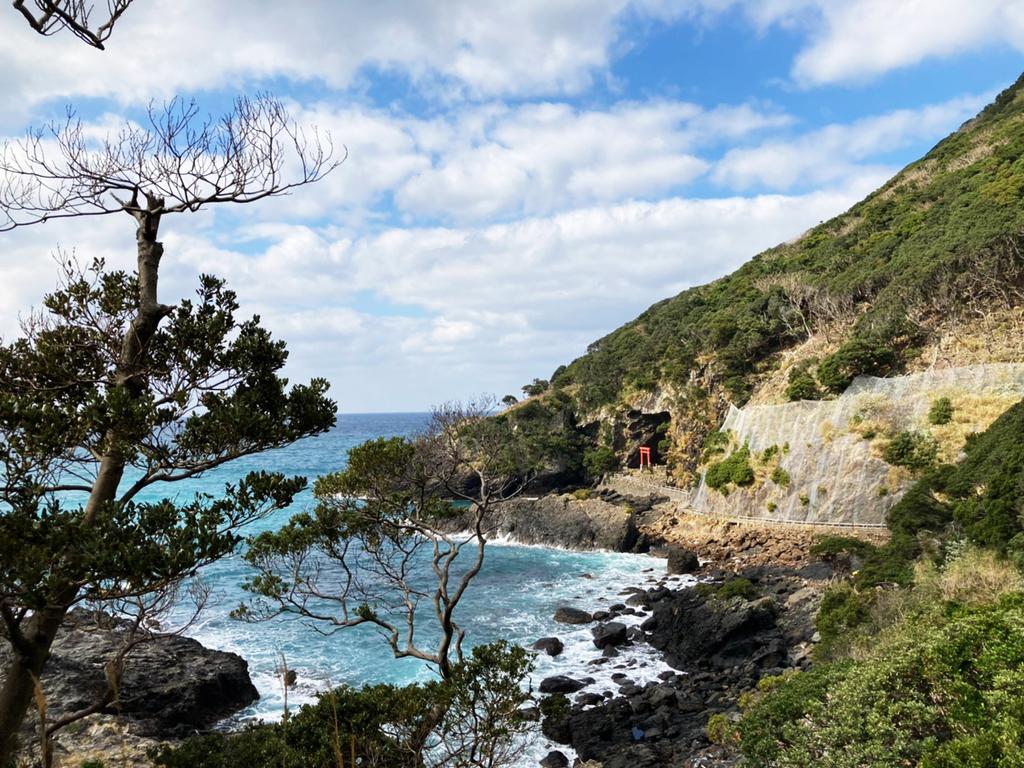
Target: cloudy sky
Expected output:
[522,177]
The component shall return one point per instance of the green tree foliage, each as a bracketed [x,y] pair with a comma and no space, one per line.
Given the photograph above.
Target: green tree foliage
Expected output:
[734,470]
[209,393]
[379,726]
[110,392]
[802,385]
[857,356]
[941,411]
[536,387]
[917,451]
[953,697]
[600,461]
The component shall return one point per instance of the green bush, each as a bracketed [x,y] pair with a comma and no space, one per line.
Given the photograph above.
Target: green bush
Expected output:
[737,587]
[892,563]
[720,730]
[582,494]
[600,461]
[734,470]
[802,386]
[379,723]
[947,692]
[857,356]
[828,547]
[769,453]
[916,451]
[715,443]
[941,411]
[842,610]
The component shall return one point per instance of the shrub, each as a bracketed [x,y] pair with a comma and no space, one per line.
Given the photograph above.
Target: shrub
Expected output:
[715,443]
[953,697]
[842,610]
[769,453]
[772,506]
[828,547]
[780,476]
[600,461]
[802,386]
[941,411]
[916,451]
[804,499]
[582,494]
[892,563]
[737,588]
[857,356]
[720,730]
[480,704]
[735,470]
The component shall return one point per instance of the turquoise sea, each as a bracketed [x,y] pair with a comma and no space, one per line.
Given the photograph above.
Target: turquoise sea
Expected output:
[513,598]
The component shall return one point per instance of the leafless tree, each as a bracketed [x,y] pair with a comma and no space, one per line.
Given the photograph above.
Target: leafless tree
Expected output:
[359,558]
[385,547]
[78,17]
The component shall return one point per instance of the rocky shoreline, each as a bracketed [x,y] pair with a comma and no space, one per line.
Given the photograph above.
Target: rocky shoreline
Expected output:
[717,647]
[714,644]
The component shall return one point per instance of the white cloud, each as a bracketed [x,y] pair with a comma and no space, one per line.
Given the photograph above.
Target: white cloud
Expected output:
[544,157]
[860,39]
[489,306]
[848,41]
[838,151]
[526,47]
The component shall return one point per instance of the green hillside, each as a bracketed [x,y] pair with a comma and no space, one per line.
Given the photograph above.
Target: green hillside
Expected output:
[943,233]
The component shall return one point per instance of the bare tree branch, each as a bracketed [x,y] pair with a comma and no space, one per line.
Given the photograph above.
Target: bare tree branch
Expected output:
[76,16]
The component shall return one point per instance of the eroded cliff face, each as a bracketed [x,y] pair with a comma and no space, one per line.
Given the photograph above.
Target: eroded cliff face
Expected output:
[822,461]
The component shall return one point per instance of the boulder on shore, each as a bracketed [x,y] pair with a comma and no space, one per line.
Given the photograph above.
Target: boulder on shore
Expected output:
[561,684]
[569,615]
[681,561]
[172,685]
[609,635]
[552,646]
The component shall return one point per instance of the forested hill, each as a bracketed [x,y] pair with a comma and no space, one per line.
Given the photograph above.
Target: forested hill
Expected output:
[902,276]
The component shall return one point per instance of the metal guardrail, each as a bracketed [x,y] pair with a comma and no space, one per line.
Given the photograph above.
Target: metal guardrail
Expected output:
[678,494]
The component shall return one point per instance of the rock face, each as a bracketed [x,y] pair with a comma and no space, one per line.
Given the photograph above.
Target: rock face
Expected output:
[689,627]
[564,521]
[172,686]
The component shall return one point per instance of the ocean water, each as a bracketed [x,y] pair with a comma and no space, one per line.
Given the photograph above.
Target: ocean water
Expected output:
[513,598]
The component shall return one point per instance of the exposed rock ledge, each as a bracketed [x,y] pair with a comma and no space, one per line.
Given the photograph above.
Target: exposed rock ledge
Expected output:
[608,521]
[172,686]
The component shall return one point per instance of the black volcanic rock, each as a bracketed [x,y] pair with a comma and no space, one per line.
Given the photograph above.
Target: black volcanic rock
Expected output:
[609,635]
[569,615]
[172,685]
[552,646]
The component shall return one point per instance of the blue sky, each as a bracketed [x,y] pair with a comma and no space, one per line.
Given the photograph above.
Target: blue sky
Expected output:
[523,177]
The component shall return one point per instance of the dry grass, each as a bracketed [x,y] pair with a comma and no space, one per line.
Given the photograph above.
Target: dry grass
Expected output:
[993,338]
[971,413]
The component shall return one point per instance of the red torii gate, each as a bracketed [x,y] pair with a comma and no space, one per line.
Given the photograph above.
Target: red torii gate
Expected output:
[645,455]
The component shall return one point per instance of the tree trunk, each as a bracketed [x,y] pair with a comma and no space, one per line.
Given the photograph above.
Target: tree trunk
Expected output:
[42,626]
[18,687]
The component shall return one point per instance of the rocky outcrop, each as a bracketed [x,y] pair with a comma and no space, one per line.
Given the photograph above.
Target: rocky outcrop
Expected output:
[172,685]
[719,647]
[565,521]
